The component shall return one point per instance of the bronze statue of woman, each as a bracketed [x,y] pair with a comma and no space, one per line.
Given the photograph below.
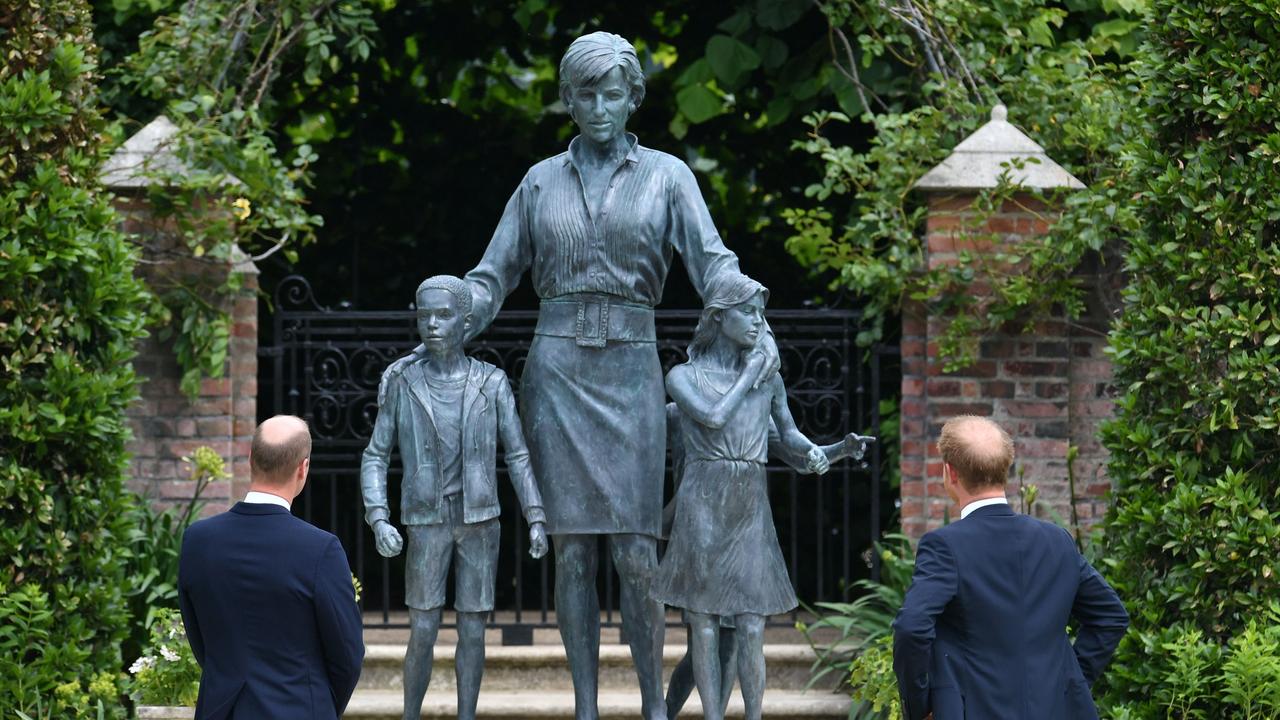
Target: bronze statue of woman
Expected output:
[597,227]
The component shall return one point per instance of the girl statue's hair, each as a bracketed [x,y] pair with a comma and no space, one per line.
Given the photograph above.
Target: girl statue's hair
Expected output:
[725,291]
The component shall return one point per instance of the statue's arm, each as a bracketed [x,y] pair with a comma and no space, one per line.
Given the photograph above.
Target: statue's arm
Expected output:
[505,260]
[519,469]
[852,445]
[785,452]
[713,413]
[693,233]
[377,456]
[694,236]
[789,435]
[508,255]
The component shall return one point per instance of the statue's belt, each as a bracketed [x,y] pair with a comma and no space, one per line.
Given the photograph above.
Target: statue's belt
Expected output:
[593,320]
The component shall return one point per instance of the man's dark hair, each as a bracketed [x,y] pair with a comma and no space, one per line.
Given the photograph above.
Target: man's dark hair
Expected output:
[273,462]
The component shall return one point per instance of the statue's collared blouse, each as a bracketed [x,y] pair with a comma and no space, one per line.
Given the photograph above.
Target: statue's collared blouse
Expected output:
[651,206]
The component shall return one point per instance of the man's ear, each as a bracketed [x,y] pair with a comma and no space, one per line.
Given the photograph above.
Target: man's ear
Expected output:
[466,321]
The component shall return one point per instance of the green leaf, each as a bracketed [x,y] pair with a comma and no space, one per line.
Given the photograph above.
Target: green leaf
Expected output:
[730,59]
[737,23]
[779,109]
[1115,28]
[780,14]
[697,73]
[847,95]
[699,104]
[773,52]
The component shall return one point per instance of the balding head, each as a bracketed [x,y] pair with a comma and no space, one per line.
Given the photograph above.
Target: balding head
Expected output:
[978,451]
[280,445]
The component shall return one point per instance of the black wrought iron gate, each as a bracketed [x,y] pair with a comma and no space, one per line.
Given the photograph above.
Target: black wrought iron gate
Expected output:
[324,364]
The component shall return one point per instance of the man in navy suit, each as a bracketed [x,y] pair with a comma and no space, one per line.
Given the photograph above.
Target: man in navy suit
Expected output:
[267,598]
[982,632]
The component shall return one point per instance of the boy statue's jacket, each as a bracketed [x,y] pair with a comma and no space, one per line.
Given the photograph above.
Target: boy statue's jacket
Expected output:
[406,419]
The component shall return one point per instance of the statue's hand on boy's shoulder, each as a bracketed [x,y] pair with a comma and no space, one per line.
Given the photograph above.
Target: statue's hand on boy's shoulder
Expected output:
[395,369]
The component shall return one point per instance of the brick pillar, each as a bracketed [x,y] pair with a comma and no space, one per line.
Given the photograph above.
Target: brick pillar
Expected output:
[166,424]
[1049,388]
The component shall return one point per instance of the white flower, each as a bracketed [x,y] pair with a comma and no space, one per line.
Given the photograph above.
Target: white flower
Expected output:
[168,654]
[141,664]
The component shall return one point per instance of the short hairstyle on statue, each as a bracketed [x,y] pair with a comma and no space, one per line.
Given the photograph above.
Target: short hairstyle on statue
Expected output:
[978,450]
[274,461]
[455,286]
[593,56]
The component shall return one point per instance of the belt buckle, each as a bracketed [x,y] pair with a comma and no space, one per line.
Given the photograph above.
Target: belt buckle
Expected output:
[600,312]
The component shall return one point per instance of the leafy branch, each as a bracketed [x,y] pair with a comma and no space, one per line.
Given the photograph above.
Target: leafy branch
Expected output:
[1072,96]
[214,66]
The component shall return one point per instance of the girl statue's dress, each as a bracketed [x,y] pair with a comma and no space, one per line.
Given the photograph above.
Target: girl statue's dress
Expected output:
[723,556]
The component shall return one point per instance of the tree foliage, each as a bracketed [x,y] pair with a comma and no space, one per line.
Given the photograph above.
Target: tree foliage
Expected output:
[405,141]
[1195,533]
[1065,76]
[421,145]
[70,315]
[213,68]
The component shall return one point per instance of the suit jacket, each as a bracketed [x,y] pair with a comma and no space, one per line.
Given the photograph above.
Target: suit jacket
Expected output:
[271,616]
[982,630]
[406,419]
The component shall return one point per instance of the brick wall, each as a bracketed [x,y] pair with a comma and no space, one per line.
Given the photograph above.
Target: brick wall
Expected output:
[166,424]
[1049,388]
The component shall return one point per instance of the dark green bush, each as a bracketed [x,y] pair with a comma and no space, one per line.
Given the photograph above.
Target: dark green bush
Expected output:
[1194,537]
[70,313]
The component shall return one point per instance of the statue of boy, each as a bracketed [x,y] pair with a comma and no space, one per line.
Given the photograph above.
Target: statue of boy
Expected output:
[446,412]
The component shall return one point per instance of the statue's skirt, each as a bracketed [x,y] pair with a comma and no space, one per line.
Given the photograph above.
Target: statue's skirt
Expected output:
[595,422]
[723,556]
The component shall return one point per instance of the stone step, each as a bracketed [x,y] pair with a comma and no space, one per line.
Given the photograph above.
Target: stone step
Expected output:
[512,668]
[613,704]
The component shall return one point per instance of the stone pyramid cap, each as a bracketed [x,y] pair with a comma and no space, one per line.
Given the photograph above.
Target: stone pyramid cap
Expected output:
[979,160]
[149,152]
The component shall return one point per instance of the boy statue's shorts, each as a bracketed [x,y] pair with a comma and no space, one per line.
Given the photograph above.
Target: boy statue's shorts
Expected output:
[473,549]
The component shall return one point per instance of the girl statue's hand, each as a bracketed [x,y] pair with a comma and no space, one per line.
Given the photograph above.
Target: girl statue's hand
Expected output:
[816,461]
[754,358]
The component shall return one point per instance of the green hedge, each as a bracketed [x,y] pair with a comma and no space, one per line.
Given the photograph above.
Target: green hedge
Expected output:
[70,314]
[1194,539]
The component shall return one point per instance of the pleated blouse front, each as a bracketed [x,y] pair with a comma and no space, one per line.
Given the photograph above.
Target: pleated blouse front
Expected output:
[651,207]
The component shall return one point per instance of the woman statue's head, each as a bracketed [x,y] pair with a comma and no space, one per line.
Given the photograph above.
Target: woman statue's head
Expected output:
[733,305]
[601,84]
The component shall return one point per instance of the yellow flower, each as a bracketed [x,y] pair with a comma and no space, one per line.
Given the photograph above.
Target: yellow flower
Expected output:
[242,209]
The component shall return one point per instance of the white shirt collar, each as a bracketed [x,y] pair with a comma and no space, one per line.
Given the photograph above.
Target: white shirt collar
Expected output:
[968,509]
[260,498]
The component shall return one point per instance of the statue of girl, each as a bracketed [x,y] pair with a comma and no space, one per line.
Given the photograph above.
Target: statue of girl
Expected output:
[723,557]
